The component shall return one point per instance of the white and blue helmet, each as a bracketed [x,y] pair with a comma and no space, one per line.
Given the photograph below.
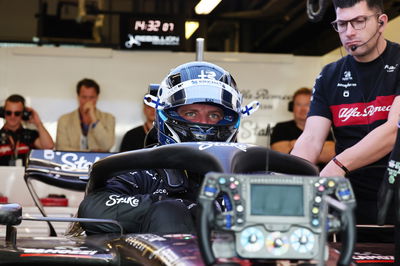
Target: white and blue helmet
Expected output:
[196,82]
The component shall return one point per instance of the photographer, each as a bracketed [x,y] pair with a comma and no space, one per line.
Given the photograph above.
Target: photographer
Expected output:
[15,140]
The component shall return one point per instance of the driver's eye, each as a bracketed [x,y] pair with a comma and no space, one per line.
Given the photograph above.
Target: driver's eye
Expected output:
[190,114]
[215,116]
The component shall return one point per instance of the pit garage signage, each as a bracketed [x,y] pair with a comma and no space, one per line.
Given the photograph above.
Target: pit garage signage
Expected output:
[151,33]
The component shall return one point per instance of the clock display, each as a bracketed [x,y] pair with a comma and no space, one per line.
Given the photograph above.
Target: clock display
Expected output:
[152,33]
[153,26]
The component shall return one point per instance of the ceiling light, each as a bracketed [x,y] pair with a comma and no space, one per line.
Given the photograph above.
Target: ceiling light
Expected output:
[204,7]
[190,28]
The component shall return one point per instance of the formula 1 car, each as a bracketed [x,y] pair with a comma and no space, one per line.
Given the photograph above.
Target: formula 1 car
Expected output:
[249,232]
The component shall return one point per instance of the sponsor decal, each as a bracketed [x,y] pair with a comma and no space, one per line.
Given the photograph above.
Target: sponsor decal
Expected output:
[207,74]
[368,257]
[362,113]
[60,251]
[347,76]
[393,170]
[348,84]
[117,199]
[160,191]
[73,162]
[206,145]
[137,40]
[151,237]
[390,69]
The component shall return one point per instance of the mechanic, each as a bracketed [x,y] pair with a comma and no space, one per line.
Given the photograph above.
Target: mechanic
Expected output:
[15,140]
[359,95]
[201,103]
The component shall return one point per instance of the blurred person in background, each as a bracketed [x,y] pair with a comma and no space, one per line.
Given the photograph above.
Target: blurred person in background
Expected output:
[15,140]
[87,128]
[135,138]
[285,134]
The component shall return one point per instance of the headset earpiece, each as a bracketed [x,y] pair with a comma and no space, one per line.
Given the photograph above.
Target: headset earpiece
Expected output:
[26,115]
[290,106]
[381,22]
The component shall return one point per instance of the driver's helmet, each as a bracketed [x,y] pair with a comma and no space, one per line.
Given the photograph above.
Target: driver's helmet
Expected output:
[197,82]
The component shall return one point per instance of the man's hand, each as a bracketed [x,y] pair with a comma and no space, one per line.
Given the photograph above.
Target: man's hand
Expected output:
[89,114]
[34,117]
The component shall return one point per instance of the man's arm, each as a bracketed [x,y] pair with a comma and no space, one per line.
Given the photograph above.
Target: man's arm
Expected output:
[62,139]
[378,143]
[102,134]
[284,146]
[328,152]
[44,141]
[310,143]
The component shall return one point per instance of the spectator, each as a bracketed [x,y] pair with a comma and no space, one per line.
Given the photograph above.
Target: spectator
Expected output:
[15,140]
[285,134]
[134,138]
[87,128]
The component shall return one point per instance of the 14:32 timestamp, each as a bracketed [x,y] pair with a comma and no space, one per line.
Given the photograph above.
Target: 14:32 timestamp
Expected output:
[153,25]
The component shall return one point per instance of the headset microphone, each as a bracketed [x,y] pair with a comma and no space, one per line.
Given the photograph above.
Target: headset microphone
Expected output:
[354,47]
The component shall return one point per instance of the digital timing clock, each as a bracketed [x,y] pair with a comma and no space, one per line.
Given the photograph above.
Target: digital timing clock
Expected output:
[151,33]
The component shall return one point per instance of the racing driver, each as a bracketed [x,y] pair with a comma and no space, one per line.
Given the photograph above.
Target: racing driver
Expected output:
[200,102]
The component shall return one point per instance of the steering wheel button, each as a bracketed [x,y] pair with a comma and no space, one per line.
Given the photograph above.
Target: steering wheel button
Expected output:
[232,186]
[232,179]
[315,210]
[222,181]
[236,197]
[239,208]
[344,193]
[315,222]
[331,183]
[321,188]
[318,199]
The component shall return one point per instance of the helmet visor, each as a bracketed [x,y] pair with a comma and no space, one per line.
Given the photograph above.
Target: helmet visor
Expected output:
[202,91]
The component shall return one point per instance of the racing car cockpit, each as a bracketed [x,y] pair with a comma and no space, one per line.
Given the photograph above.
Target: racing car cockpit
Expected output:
[276,208]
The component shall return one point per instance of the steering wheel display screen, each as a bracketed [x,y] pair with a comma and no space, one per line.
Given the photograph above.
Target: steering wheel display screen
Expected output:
[277,200]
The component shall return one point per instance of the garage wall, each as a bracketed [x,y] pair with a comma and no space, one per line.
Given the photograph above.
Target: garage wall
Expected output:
[47,77]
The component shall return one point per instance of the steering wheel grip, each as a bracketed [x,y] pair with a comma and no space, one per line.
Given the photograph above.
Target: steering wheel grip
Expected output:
[349,236]
[202,224]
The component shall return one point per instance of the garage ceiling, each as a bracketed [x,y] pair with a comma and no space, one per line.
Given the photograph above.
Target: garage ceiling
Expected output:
[255,26]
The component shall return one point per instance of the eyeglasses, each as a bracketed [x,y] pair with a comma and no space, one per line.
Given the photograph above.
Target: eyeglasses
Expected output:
[358,23]
[16,113]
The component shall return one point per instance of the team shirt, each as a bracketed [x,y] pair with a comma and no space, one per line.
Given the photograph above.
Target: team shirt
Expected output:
[357,98]
[19,148]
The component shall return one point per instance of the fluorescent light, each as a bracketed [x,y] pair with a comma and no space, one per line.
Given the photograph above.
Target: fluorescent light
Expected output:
[190,28]
[204,7]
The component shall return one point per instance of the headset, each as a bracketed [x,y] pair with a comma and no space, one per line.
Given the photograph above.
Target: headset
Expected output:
[355,47]
[291,106]
[26,115]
